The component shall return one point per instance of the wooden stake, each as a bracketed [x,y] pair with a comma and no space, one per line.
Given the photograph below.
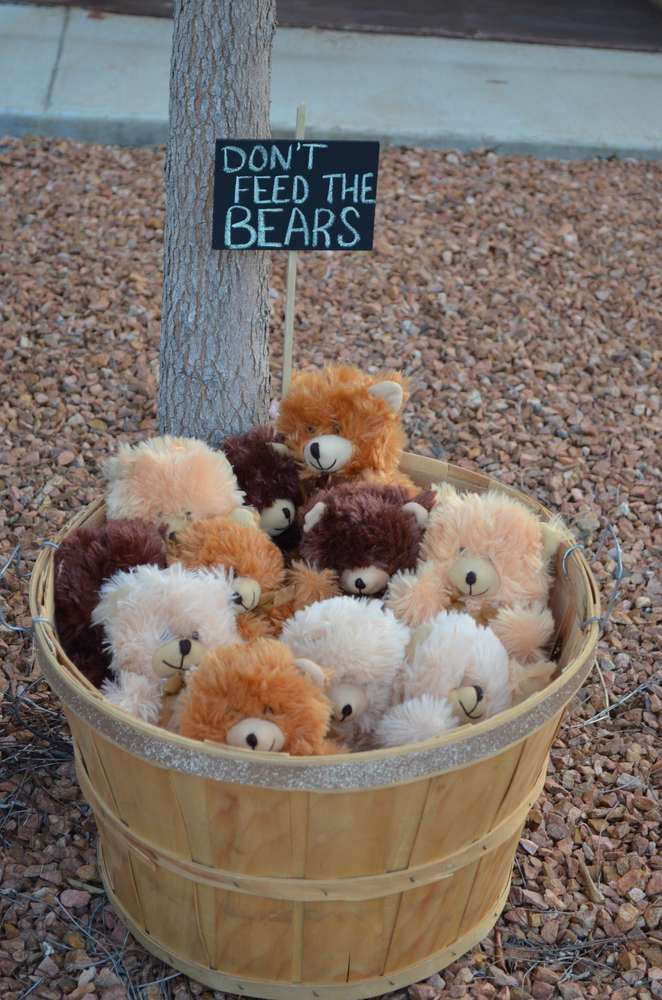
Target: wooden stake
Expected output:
[288,338]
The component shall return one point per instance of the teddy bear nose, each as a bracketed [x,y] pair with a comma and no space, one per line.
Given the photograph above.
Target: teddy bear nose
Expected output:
[251,740]
[346,711]
[480,694]
[287,513]
[470,578]
[360,584]
[315,451]
[184,646]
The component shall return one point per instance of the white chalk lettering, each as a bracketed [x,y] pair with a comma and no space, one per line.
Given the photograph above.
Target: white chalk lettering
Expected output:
[350,190]
[311,147]
[300,189]
[342,242]
[253,164]
[330,178]
[283,162]
[367,189]
[238,187]
[302,227]
[261,192]
[263,229]
[322,228]
[241,224]
[227,168]
[277,196]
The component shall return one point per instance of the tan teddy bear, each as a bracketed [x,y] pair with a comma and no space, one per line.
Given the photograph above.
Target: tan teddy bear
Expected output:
[489,555]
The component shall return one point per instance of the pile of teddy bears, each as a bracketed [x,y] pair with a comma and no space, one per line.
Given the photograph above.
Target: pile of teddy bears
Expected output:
[296,592]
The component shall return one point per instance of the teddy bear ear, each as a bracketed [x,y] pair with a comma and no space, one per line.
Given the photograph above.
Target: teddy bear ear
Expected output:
[247,516]
[317,674]
[391,392]
[314,515]
[447,495]
[418,510]
[417,636]
[112,592]
[280,448]
[116,466]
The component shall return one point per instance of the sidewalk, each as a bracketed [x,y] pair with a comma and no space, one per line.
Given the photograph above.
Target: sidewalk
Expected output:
[65,73]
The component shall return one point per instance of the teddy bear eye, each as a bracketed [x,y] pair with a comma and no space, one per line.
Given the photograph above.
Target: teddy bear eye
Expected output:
[336,428]
[461,551]
[195,635]
[311,428]
[268,710]
[188,514]
[166,636]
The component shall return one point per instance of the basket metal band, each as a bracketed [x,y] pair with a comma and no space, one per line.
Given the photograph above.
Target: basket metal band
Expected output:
[305,889]
[270,990]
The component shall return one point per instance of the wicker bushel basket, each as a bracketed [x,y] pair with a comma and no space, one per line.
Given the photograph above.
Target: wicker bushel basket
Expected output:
[281,877]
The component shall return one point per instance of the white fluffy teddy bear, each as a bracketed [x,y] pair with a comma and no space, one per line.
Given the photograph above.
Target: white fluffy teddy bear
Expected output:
[159,625]
[456,671]
[363,647]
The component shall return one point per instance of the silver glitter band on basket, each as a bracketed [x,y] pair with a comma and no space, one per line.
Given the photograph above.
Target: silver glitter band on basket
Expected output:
[351,772]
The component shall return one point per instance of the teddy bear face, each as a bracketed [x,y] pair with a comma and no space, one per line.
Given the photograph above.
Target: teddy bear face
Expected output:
[454,657]
[365,533]
[257,564]
[161,623]
[268,475]
[362,645]
[340,420]
[255,697]
[170,480]
[489,547]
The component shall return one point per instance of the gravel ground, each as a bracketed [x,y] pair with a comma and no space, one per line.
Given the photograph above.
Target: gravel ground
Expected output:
[524,299]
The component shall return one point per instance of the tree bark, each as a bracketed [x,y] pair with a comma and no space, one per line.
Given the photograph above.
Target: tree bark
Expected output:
[214,377]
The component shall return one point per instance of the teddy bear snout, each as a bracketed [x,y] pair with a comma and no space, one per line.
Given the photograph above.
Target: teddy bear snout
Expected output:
[327,453]
[177,656]
[474,577]
[469,702]
[256,734]
[349,701]
[278,517]
[247,593]
[364,580]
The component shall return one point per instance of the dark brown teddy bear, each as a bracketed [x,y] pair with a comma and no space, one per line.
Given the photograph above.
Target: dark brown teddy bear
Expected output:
[84,560]
[366,533]
[268,475]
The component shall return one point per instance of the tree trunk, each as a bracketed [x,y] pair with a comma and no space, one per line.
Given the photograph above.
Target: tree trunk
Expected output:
[214,348]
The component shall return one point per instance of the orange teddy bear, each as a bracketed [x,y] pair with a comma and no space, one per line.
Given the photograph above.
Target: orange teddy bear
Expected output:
[258,697]
[267,593]
[343,425]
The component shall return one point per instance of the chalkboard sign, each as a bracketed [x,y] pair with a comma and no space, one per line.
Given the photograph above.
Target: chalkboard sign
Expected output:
[294,195]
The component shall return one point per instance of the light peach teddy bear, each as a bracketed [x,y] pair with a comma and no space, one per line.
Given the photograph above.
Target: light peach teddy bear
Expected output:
[172,481]
[489,555]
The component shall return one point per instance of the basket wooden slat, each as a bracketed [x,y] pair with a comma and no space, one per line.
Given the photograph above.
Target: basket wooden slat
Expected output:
[301,877]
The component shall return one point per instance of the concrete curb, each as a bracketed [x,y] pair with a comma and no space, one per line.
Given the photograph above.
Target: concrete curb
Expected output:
[65,74]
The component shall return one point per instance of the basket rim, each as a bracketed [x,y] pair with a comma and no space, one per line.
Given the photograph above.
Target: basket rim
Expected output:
[340,772]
